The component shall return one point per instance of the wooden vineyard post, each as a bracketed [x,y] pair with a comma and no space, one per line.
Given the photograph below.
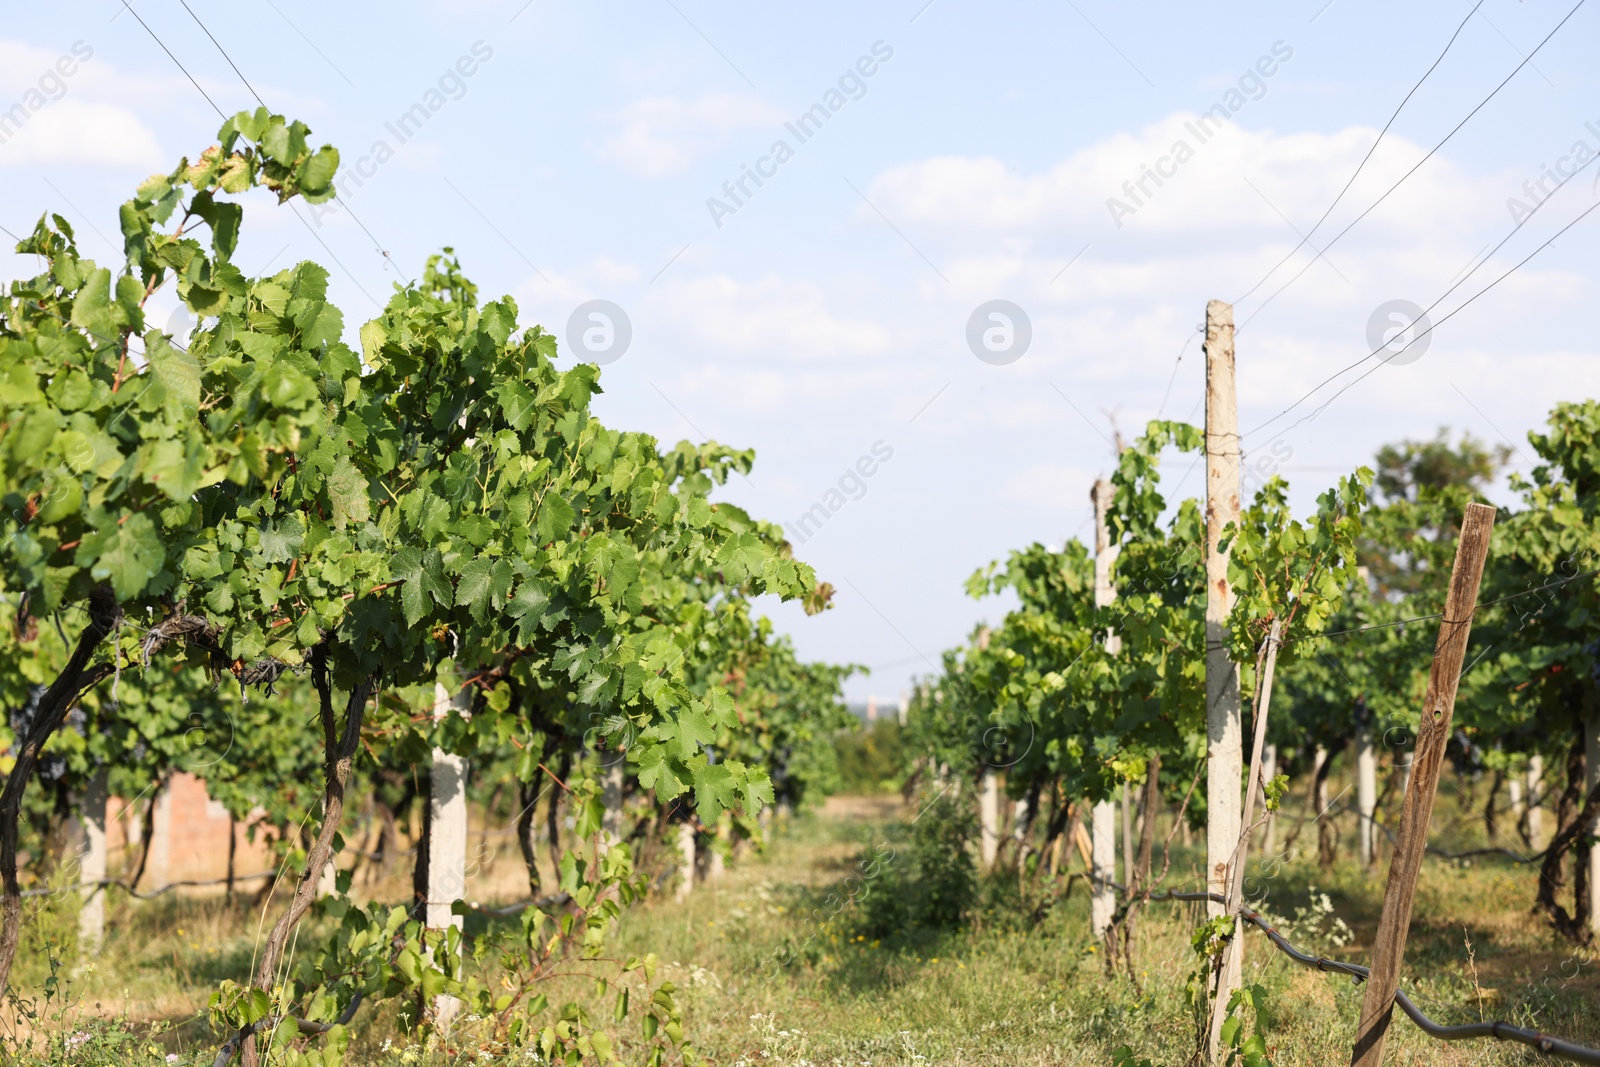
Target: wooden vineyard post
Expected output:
[1433,731]
[1269,771]
[1127,836]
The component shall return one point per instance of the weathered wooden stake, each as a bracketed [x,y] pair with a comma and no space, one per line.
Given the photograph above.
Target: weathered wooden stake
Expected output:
[1269,771]
[1233,959]
[1127,835]
[1433,731]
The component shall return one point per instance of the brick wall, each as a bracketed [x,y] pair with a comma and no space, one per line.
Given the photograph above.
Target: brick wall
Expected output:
[191,836]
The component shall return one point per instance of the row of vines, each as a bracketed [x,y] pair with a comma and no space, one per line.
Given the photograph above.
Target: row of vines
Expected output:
[310,571]
[1091,692]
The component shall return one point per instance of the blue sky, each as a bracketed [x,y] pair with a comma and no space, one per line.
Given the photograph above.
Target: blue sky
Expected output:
[824,321]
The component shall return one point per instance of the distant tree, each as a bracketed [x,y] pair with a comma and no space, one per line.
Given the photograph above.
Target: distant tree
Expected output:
[1421,488]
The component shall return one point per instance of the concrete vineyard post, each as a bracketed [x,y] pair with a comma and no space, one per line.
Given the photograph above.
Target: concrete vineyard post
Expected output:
[1319,796]
[447,838]
[989,817]
[1103,838]
[1103,819]
[716,862]
[611,795]
[1019,833]
[1105,593]
[1535,813]
[1433,732]
[92,865]
[157,868]
[1366,793]
[1591,776]
[1224,732]
[988,799]
[685,861]
[1224,729]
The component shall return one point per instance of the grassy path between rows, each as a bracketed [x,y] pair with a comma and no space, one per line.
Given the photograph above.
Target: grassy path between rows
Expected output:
[776,969]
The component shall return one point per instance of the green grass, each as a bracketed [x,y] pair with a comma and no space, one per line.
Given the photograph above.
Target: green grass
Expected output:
[1008,991]
[774,968]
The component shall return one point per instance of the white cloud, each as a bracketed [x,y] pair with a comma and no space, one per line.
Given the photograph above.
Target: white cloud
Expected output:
[662,135]
[70,105]
[67,106]
[771,319]
[852,346]
[1297,174]
[554,293]
[22,67]
[1118,315]
[83,132]
[1052,481]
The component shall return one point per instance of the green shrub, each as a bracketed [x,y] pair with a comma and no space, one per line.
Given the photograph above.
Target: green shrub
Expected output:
[934,886]
[871,758]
